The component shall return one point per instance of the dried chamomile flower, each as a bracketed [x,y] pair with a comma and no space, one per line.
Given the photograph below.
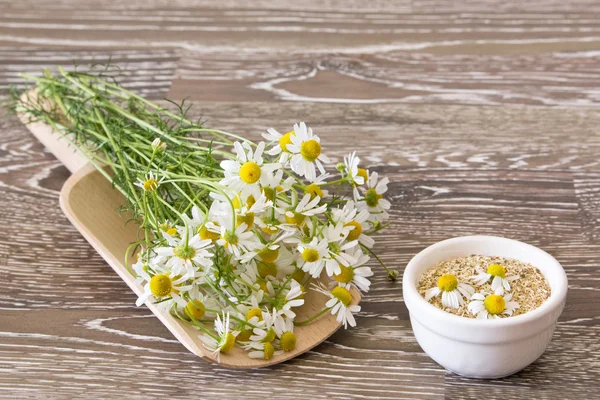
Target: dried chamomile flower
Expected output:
[451,290]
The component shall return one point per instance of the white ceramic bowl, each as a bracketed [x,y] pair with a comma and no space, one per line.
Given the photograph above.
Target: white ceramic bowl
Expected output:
[483,348]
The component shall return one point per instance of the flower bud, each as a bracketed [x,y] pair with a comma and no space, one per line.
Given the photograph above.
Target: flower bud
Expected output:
[158,145]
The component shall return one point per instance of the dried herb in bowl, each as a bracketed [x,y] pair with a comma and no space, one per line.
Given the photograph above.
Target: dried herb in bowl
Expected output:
[480,286]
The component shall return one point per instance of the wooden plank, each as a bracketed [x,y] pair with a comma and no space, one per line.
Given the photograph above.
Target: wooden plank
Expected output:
[466,75]
[426,52]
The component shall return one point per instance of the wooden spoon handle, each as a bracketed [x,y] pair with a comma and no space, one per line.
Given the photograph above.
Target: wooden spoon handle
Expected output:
[57,145]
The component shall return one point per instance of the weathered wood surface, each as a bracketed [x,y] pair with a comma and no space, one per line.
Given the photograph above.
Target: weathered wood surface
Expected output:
[484,116]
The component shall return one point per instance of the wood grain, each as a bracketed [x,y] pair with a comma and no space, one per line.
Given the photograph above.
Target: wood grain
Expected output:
[483,114]
[427,52]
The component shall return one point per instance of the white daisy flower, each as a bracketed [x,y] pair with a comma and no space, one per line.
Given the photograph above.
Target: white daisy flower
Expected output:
[306,150]
[142,264]
[351,168]
[280,147]
[225,338]
[500,281]
[452,291]
[243,174]
[169,228]
[158,145]
[305,208]
[248,211]
[198,303]
[285,301]
[238,241]
[182,254]
[265,330]
[220,214]
[269,252]
[336,235]
[272,183]
[350,216]
[251,312]
[355,273]
[491,306]
[309,207]
[372,199]
[150,182]
[259,205]
[315,190]
[312,256]
[284,328]
[339,303]
[264,350]
[163,284]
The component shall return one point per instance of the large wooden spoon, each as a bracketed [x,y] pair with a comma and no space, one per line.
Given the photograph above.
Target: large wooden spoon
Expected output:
[90,202]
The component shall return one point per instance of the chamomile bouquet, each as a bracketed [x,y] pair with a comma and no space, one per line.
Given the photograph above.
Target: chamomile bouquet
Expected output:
[232,233]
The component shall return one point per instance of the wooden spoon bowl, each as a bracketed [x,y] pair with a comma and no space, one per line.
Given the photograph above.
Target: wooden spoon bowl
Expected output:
[90,202]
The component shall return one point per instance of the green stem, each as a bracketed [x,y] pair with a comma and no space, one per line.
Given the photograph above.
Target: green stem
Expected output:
[311,319]
[392,274]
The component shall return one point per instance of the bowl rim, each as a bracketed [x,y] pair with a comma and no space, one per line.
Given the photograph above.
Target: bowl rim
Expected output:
[409,289]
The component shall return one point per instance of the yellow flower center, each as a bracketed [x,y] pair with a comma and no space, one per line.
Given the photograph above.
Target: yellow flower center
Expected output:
[254,312]
[250,201]
[195,309]
[161,285]
[270,336]
[297,219]
[206,234]
[299,275]
[285,140]
[250,172]
[288,341]
[244,335]
[269,351]
[363,172]
[228,343]
[269,255]
[262,284]
[150,185]
[310,255]
[447,282]
[184,252]
[372,197]
[346,275]
[494,304]
[342,294]
[247,219]
[171,230]
[497,270]
[270,229]
[314,190]
[310,150]
[267,269]
[354,233]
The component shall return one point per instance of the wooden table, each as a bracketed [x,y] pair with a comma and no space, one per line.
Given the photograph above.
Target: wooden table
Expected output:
[483,114]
